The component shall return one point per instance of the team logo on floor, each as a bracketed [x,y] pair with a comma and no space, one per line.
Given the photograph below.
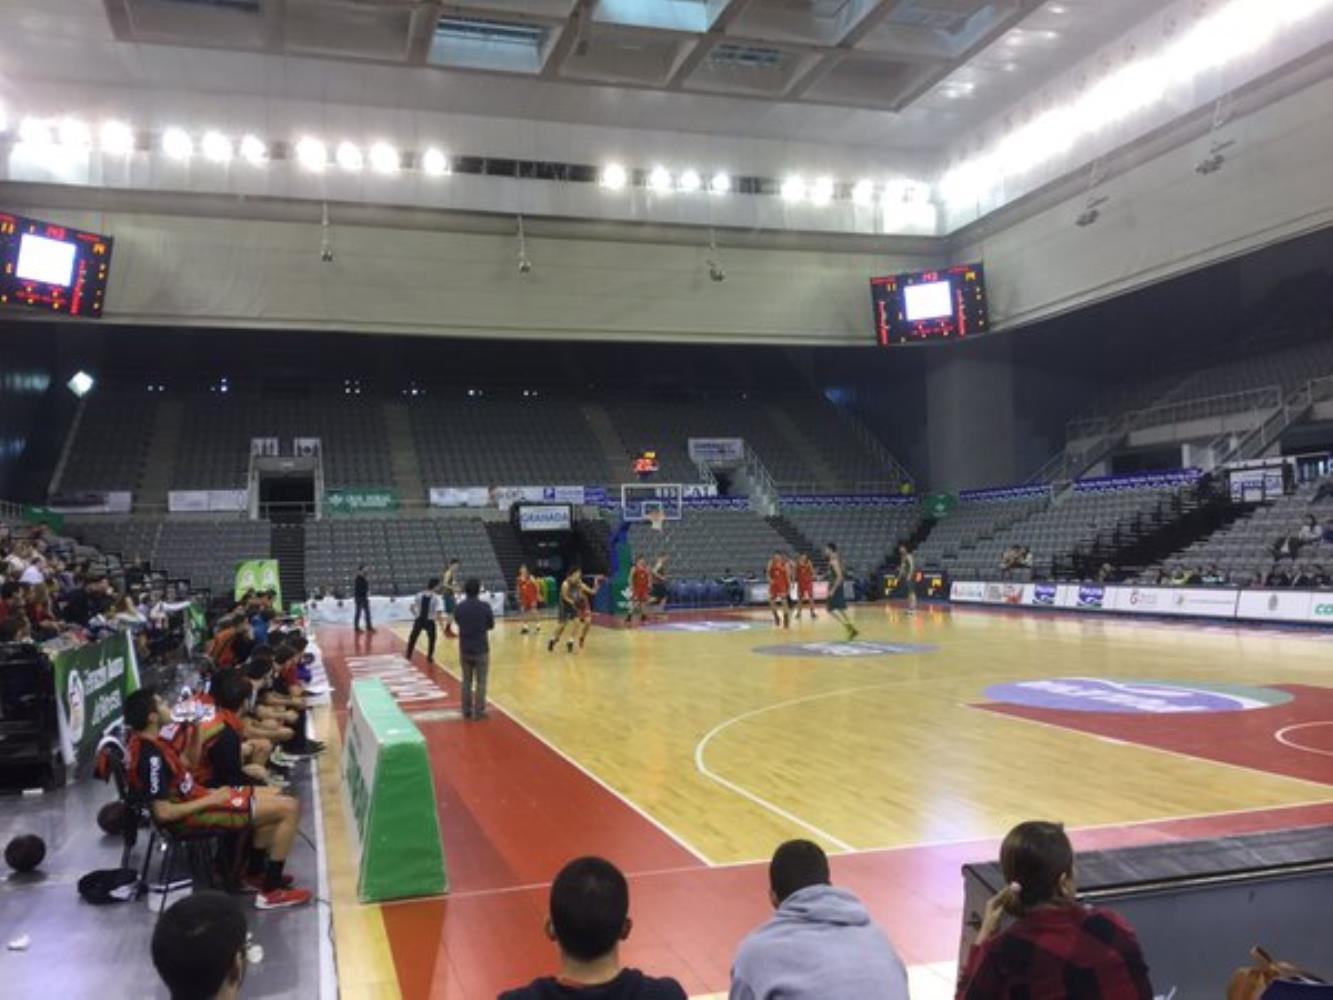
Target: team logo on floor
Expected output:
[859,648]
[704,626]
[1106,694]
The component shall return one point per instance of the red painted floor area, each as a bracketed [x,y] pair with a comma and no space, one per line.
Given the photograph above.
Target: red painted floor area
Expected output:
[512,811]
[1248,739]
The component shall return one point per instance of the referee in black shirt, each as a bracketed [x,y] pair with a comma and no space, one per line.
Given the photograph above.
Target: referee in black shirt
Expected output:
[361,595]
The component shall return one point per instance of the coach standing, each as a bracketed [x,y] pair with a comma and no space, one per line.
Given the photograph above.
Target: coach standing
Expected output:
[475,621]
[361,595]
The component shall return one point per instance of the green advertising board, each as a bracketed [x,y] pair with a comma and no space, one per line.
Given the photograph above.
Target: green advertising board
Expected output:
[258,574]
[360,501]
[388,790]
[91,684]
[45,515]
[939,505]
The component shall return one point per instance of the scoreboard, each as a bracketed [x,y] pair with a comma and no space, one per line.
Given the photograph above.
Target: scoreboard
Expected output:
[52,268]
[928,306]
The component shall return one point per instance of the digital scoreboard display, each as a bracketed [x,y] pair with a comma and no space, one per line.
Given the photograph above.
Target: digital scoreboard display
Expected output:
[52,268]
[929,306]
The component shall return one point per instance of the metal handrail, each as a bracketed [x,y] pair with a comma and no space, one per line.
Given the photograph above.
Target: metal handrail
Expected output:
[1264,397]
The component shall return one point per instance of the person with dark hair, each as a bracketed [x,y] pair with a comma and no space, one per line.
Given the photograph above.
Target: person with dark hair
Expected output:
[779,589]
[449,584]
[199,947]
[361,596]
[1054,940]
[820,944]
[907,574]
[589,917]
[575,606]
[11,600]
[805,585]
[162,774]
[223,748]
[475,621]
[837,591]
[428,613]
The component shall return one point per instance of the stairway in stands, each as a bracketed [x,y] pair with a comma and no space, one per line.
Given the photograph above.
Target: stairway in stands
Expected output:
[824,473]
[152,491]
[797,540]
[287,543]
[508,549]
[1202,511]
[604,433]
[404,462]
[594,537]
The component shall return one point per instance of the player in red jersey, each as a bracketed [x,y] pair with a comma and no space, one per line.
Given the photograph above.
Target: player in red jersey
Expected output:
[529,598]
[640,591]
[805,586]
[779,589]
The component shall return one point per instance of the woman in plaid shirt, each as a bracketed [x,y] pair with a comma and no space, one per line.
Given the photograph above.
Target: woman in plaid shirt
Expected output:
[1056,948]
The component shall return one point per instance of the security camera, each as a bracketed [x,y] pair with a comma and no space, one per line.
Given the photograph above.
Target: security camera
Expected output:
[326,254]
[715,271]
[524,266]
[1210,165]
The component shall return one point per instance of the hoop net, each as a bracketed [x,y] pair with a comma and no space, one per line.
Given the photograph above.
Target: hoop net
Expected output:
[656,518]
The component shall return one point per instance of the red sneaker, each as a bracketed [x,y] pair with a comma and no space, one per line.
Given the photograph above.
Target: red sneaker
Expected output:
[255,883]
[280,899]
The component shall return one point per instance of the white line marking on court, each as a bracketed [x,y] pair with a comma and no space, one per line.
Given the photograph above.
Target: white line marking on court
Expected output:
[1281,737]
[328,968]
[777,810]
[526,727]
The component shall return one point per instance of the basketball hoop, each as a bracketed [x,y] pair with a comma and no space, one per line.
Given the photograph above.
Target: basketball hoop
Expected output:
[656,519]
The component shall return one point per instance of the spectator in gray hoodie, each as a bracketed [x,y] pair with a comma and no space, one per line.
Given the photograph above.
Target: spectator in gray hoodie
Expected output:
[820,944]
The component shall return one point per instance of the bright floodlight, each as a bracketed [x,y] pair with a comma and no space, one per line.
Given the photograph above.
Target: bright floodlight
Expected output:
[690,181]
[312,154]
[216,147]
[660,180]
[720,184]
[614,176]
[349,156]
[116,137]
[434,163]
[793,188]
[821,191]
[253,150]
[384,158]
[863,192]
[74,133]
[80,383]
[35,131]
[177,144]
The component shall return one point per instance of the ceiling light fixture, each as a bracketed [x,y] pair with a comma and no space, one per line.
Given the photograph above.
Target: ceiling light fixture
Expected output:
[821,191]
[659,180]
[74,133]
[116,138]
[216,147]
[793,188]
[253,150]
[312,154]
[434,162]
[177,144]
[384,158]
[720,183]
[614,177]
[35,132]
[690,181]
[863,192]
[349,156]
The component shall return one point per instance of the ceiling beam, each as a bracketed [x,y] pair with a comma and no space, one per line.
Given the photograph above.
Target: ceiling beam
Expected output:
[422,32]
[574,34]
[685,68]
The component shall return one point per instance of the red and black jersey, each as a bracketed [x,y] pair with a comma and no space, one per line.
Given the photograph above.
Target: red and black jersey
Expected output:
[157,771]
[1051,954]
[778,580]
[640,581]
[220,762]
[805,577]
[528,596]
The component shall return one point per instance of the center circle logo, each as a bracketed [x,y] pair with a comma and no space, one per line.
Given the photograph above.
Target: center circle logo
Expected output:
[845,649]
[704,626]
[1135,697]
[74,698]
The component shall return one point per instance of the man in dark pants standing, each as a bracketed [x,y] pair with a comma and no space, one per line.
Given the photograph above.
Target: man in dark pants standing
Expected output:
[361,595]
[475,620]
[429,609]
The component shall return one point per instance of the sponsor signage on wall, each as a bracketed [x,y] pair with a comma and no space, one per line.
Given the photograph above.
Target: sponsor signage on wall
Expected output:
[968,591]
[717,449]
[545,517]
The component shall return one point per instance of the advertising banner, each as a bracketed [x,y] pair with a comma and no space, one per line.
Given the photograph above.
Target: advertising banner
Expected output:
[717,449]
[968,592]
[505,497]
[1321,609]
[545,517]
[228,500]
[562,494]
[91,684]
[1090,596]
[1042,595]
[698,491]
[1253,485]
[460,496]
[305,447]
[115,502]
[1004,593]
[1207,602]
[264,447]
[939,505]
[258,574]
[360,501]
[181,501]
[1277,605]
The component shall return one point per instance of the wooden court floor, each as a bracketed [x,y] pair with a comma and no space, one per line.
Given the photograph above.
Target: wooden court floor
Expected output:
[687,755]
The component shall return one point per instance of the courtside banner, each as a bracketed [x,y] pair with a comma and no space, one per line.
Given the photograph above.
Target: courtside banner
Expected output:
[1041,595]
[967,592]
[550,517]
[460,496]
[1205,602]
[1004,593]
[389,794]
[1321,608]
[1279,605]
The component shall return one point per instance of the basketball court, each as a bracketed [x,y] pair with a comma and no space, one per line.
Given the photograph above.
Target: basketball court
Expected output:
[687,750]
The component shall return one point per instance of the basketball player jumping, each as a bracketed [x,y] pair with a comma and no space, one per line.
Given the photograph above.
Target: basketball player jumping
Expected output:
[779,589]
[837,593]
[529,597]
[640,584]
[907,575]
[805,586]
[575,606]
